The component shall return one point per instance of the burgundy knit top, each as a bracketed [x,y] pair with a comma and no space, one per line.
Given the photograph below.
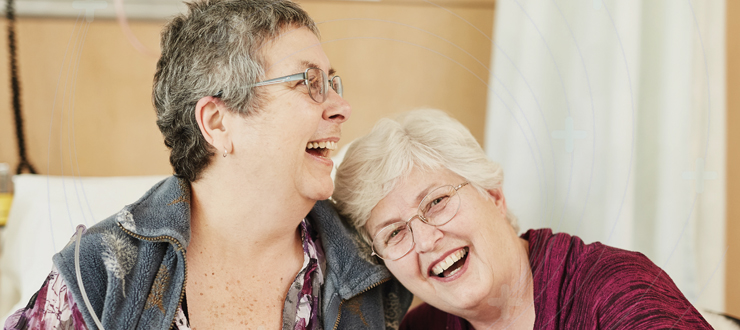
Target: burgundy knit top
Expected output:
[587,286]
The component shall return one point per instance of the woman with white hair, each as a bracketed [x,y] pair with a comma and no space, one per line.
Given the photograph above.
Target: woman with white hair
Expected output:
[423,193]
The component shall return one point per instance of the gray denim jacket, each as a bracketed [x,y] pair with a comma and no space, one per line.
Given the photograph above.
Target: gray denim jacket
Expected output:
[134,269]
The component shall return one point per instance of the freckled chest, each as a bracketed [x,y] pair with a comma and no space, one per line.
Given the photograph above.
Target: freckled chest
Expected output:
[236,298]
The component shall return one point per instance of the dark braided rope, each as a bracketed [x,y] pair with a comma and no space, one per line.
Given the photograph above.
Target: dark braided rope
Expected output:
[16,89]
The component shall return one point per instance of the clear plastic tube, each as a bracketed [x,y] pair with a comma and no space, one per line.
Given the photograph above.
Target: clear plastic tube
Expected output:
[78,238]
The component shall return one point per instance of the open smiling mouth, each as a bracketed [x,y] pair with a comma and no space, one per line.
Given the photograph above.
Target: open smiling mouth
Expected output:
[321,149]
[452,264]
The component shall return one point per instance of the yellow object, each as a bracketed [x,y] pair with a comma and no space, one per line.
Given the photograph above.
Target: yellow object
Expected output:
[5,200]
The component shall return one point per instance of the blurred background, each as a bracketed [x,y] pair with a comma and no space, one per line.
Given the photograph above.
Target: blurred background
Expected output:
[616,121]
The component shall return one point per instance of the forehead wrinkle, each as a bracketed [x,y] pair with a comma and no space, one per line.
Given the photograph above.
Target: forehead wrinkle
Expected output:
[413,204]
[390,216]
[285,57]
[424,192]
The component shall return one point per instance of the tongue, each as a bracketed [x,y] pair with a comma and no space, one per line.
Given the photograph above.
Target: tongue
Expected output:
[315,152]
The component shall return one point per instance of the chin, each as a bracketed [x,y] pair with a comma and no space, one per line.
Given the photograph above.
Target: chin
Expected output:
[324,196]
[321,191]
[466,300]
[464,303]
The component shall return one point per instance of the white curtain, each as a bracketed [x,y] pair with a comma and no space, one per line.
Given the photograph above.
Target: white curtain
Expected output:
[609,120]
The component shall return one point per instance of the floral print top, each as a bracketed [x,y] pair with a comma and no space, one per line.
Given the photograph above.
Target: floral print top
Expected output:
[53,306]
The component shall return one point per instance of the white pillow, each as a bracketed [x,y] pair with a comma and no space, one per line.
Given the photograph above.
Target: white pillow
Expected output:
[43,217]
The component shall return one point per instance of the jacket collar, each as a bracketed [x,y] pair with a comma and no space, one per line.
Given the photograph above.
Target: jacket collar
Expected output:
[164,210]
[348,257]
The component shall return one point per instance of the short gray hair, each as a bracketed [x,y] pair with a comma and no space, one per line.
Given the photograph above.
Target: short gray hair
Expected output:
[424,139]
[214,48]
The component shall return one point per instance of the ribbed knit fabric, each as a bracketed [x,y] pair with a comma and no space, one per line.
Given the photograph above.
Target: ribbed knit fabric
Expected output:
[588,286]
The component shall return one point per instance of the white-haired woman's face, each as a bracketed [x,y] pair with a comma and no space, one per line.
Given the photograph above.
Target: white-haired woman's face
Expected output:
[477,252]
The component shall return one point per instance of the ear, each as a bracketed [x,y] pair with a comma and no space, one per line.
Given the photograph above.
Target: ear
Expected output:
[210,113]
[497,196]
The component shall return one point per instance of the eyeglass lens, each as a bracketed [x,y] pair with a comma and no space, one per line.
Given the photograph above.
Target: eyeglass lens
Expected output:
[436,209]
[319,84]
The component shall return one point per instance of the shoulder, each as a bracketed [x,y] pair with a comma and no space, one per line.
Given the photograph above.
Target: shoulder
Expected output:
[633,292]
[593,262]
[612,267]
[125,274]
[93,242]
[625,289]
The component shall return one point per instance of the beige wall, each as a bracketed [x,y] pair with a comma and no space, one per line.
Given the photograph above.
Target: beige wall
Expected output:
[390,55]
[732,304]
[89,108]
[394,62]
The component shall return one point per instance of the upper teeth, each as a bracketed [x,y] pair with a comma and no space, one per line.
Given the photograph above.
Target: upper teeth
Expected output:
[447,262]
[324,144]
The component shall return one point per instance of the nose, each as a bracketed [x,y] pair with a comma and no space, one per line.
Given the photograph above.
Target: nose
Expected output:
[336,108]
[425,236]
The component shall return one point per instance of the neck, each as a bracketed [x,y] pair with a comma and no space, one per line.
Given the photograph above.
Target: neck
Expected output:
[515,309]
[239,218]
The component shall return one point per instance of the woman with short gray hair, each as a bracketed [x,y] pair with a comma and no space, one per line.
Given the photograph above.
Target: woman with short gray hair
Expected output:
[241,236]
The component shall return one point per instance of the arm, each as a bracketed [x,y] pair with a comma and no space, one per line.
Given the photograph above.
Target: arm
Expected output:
[52,307]
[640,295]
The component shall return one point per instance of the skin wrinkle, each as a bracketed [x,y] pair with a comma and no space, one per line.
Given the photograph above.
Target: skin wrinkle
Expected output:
[416,201]
[490,288]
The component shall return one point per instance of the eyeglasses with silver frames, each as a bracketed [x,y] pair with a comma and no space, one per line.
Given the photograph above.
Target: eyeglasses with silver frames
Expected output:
[437,208]
[315,79]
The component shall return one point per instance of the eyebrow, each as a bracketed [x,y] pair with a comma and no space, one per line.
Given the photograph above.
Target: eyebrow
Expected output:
[309,64]
[383,225]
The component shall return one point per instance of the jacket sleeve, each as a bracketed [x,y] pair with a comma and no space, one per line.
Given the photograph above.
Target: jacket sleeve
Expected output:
[52,307]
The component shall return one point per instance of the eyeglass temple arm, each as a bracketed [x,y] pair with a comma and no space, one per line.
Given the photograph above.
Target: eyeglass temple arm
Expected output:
[461,185]
[293,77]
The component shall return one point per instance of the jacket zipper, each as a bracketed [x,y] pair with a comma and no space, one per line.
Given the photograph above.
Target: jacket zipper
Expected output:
[170,239]
[339,315]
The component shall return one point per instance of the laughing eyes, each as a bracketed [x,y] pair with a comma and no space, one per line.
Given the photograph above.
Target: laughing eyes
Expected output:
[436,205]
[315,83]
[437,201]
[397,235]
[312,82]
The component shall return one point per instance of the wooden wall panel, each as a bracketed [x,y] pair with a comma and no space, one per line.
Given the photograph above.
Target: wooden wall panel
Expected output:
[732,303]
[398,57]
[90,111]
[86,99]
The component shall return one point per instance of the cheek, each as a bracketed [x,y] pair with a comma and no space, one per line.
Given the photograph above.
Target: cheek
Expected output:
[405,271]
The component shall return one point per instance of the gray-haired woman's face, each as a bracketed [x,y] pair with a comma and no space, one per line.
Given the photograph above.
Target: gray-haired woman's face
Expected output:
[462,266]
[275,141]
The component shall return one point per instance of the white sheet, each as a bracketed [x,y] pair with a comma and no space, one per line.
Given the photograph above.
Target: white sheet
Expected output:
[42,219]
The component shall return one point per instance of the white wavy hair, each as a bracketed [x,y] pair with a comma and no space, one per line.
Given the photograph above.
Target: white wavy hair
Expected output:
[427,139]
